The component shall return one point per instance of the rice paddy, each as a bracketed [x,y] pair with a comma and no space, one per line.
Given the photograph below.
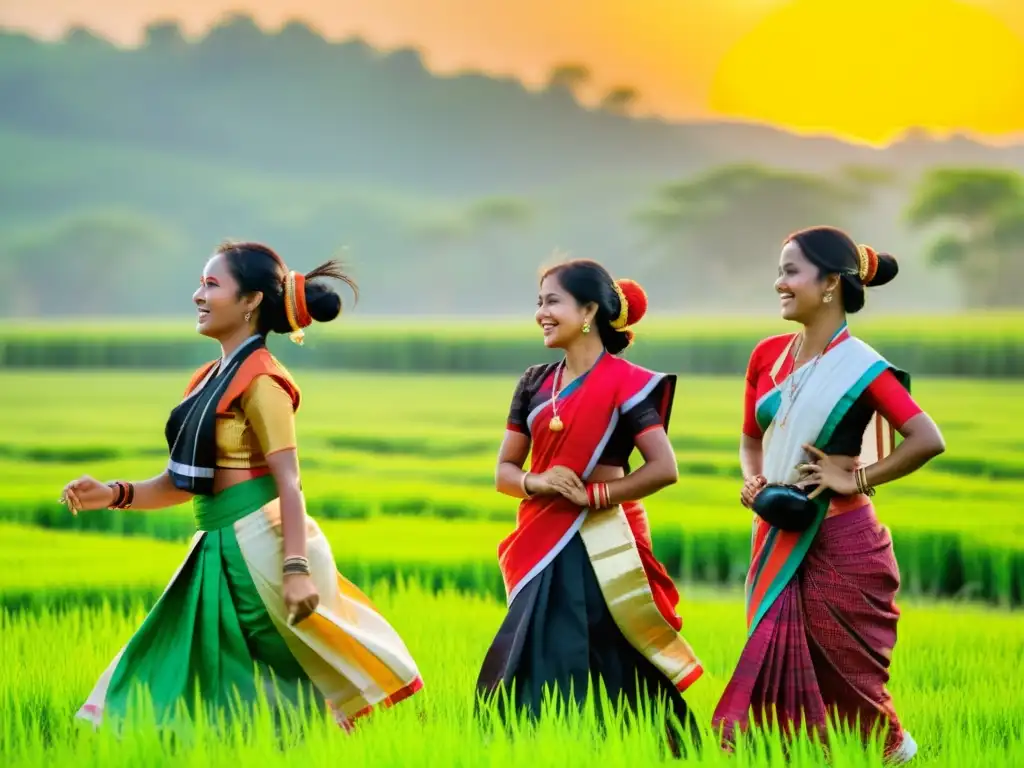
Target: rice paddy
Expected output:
[399,470]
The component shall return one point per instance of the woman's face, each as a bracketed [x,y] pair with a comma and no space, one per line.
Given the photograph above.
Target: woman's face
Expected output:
[558,314]
[221,312]
[800,286]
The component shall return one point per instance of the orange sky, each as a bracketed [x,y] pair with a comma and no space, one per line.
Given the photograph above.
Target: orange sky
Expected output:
[801,64]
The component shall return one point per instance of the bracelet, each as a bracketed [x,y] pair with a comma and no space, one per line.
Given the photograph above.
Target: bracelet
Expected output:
[296,564]
[597,496]
[522,484]
[125,494]
[861,476]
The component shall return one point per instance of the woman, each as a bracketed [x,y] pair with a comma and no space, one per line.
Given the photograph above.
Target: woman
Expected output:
[258,593]
[821,407]
[587,600]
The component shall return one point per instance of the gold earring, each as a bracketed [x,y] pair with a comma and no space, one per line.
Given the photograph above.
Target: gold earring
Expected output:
[586,326]
[248,316]
[828,298]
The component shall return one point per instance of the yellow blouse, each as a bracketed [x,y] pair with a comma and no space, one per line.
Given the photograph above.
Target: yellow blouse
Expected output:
[262,422]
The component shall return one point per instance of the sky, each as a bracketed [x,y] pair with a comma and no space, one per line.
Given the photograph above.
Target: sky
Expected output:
[863,70]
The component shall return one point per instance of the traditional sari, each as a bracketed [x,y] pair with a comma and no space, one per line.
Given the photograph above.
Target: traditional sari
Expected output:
[220,627]
[820,604]
[587,598]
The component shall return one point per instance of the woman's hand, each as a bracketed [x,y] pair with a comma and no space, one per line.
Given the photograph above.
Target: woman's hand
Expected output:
[751,487]
[86,494]
[577,495]
[300,597]
[828,473]
[560,480]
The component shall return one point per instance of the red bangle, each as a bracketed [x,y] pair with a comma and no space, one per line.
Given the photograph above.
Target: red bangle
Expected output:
[125,495]
[597,496]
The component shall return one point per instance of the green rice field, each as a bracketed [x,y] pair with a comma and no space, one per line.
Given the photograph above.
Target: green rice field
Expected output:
[956,679]
[398,469]
[981,344]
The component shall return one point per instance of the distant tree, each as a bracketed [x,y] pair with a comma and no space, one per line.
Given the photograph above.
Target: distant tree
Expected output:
[982,214]
[720,229]
[165,35]
[570,77]
[500,213]
[469,251]
[102,262]
[443,237]
[84,39]
[867,179]
[620,100]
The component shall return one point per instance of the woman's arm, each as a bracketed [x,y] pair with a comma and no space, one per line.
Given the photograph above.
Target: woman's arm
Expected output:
[751,450]
[751,457]
[284,466]
[157,493]
[270,411]
[87,493]
[509,477]
[509,474]
[659,469]
[922,442]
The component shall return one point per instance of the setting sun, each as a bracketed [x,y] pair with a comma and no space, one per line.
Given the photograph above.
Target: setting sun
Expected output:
[874,69]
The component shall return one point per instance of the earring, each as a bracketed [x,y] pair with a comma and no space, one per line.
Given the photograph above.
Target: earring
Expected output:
[586,326]
[828,298]
[248,316]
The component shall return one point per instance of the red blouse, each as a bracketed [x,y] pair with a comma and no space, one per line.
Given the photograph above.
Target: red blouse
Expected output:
[885,394]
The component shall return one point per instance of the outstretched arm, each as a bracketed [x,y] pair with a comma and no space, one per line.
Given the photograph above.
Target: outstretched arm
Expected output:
[87,493]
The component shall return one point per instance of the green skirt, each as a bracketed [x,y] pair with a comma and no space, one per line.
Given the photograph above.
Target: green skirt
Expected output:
[218,636]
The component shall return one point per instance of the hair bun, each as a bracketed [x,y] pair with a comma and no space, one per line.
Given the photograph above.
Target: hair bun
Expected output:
[886,270]
[636,298]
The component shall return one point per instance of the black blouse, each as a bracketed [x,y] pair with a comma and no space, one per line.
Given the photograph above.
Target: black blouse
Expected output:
[534,389]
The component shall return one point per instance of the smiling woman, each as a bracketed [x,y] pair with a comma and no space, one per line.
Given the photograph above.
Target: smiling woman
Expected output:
[588,601]
[875,69]
[258,600]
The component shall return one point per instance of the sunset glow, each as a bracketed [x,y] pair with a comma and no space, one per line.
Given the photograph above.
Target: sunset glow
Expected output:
[866,70]
[874,72]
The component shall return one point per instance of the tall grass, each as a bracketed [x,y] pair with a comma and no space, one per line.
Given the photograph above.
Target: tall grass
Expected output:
[956,683]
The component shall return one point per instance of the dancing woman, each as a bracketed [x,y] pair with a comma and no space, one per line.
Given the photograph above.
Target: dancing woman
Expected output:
[818,437]
[587,600]
[258,594]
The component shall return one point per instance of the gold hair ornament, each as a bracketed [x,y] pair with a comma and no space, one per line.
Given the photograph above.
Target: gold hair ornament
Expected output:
[622,320]
[291,311]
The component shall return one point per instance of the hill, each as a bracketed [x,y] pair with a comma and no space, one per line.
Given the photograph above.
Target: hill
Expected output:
[158,152]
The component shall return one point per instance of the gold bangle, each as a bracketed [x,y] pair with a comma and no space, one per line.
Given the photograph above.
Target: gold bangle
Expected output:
[522,484]
[862,482]
[295,564]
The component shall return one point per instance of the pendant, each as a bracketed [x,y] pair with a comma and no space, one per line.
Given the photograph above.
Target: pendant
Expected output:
[555,425]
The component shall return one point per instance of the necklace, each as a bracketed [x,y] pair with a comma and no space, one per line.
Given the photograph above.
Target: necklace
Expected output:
[556,425]
[804,374]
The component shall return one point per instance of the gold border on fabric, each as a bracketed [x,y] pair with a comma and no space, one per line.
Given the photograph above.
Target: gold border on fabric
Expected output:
[620,572]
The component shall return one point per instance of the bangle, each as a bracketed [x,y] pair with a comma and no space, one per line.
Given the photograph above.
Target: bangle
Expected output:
[597,495]
[861,476]
[295,564]
[125,495]
[522,484]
